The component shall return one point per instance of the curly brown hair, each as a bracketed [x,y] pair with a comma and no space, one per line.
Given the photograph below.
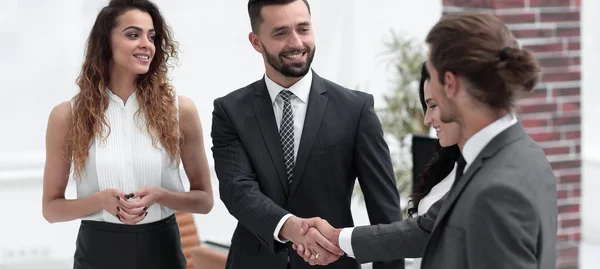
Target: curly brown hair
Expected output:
[153,90]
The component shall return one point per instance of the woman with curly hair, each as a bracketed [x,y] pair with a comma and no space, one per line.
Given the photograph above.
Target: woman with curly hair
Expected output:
[122,139]
[438,175]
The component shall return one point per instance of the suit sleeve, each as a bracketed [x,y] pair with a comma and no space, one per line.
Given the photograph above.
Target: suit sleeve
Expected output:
[239,190]
[376,175]
[398,240]
[503,229]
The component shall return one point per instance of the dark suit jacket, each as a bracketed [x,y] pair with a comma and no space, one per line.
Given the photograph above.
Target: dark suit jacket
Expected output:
[342,139]
[502,213]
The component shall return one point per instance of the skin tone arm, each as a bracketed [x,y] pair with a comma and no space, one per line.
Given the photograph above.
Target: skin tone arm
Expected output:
[55,207]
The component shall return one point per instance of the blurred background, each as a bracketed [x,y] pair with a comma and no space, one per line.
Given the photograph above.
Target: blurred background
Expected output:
[375,46]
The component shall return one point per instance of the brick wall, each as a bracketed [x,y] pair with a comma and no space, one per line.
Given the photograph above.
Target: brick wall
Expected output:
[551,114]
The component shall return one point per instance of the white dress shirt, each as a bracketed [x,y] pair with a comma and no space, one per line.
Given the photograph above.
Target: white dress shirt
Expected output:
[479,140]
[470,150]
[299,100]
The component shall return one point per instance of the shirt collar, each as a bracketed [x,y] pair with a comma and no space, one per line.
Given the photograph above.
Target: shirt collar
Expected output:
[116,98]
[479,140]
[300,89]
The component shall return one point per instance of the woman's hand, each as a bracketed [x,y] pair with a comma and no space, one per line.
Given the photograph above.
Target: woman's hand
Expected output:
[132,212]
[110,202]
[114,202]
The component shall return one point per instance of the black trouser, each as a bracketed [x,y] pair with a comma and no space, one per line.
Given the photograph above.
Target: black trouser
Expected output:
[103,245]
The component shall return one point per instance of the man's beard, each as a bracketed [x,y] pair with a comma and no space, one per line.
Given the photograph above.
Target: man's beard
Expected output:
[294,70]
[449,112]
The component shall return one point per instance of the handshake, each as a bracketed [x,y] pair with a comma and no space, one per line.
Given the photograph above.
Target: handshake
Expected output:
[314,239]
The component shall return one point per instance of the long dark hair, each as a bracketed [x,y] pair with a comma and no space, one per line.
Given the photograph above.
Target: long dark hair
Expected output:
[441,163]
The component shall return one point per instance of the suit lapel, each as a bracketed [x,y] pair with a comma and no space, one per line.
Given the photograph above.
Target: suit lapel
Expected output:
[457,190]
[263,110]
[317,102]
[451,198]
[502,140]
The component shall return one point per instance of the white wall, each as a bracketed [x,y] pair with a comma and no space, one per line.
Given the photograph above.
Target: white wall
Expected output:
[590,129]
[41,47]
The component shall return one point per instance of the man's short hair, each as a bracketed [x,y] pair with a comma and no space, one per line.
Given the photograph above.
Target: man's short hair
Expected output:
[255,7]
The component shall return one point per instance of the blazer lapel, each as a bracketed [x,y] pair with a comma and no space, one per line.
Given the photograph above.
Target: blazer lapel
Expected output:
[502,140]
[451,198]
[455,192]
[317,102]
[263,110]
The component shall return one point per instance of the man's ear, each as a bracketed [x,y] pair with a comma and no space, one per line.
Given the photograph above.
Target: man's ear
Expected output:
[255,42]
[451,84]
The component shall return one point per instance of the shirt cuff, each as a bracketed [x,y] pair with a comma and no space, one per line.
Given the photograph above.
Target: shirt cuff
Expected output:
[278,228]
[345,241]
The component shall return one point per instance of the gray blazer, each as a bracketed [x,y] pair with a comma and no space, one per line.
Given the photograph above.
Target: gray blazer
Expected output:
[501,214]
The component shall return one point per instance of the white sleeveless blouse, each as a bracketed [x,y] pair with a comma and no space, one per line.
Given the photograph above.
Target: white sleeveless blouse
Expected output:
[127,160]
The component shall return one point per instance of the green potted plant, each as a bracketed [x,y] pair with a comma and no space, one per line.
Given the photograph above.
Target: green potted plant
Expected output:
[402,115]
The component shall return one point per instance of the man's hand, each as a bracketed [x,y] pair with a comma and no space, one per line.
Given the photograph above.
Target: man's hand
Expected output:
[321,250]
[323,228]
